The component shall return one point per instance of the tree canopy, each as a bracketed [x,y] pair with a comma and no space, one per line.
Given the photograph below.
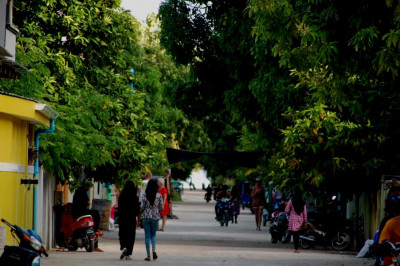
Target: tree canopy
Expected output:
[80,54]
[313,84]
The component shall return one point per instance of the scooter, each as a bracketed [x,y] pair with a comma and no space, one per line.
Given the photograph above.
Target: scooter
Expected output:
[207,197]
[279,225]
[388,253]
[28,252]
[322,229]
[79,232]
[223,211]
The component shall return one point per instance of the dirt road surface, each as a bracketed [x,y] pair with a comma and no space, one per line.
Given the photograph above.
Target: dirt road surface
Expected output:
[195,238]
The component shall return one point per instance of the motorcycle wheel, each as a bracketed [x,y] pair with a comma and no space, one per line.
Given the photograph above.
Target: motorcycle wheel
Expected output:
[226,218]
[340,241]
[71,247]
[286,237]
[305,244]
[89,245]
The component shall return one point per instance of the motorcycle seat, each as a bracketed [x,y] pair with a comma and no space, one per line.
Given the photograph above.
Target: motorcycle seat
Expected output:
[83,217]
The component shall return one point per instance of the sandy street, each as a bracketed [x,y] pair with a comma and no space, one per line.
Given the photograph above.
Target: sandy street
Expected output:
[195,238]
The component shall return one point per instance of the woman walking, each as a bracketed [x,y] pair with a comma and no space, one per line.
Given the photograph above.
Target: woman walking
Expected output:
[296,208]
[258,195]
[128,208]
[235,200]
[151,206]
[164,194]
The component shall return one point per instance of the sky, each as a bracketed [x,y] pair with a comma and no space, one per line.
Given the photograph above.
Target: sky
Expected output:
[140,9]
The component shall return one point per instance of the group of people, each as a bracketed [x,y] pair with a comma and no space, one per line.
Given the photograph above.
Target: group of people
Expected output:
[234,199]
[142,207]
[295,208]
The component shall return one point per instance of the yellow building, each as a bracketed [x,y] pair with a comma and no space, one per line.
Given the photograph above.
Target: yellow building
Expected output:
[19,118]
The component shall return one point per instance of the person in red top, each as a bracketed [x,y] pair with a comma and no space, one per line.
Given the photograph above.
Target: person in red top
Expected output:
[296,208]
[164,194]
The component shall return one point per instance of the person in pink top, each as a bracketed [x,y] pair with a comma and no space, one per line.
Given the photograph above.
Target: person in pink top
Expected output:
[296,208]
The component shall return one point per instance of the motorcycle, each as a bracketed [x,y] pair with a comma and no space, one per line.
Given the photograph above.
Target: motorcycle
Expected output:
[322,229]
[223,211]
[279,229]
[28,252]
[207,197]
[388,253]
[79,232]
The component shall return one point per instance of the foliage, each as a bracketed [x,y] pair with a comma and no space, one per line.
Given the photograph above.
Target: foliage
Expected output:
[176,196]
[335,55]
[317,92]
[79,54]
[213,38]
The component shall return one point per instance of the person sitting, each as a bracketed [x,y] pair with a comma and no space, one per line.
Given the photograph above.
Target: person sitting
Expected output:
[390,226]
[224,193]
[81,204]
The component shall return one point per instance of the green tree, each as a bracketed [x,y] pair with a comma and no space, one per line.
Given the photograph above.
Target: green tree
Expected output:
[80,54]
[213,38]
[335,55]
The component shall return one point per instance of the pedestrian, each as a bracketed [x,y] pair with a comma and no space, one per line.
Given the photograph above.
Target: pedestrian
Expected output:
[128,208]
[276,198]
[81,206]
[390,228]
[151,206]
[217,190]
[235,200]
[142,188]
[258,195]
[164,194]
[296,208]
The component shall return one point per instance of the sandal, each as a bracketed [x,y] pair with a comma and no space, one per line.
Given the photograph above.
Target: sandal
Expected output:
[123,254]
[155,256]
[147,259]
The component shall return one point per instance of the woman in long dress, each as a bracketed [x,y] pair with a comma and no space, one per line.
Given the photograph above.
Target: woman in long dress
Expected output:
[164,194]
[128,209]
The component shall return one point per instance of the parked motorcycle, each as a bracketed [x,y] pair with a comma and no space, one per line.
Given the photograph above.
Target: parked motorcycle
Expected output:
[325,230]
[388,253]
[223,211]
[29,250]
[79,232]
[279,229]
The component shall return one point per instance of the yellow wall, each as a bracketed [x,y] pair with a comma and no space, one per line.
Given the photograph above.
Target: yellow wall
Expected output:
[16,200]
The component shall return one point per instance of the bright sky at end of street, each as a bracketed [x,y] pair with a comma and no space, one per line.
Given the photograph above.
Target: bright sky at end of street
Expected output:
[140,9]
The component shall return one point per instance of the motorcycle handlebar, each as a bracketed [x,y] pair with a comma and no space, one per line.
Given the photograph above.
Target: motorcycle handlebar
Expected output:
[7,223]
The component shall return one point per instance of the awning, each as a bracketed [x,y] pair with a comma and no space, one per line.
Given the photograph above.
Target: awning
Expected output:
[243,159]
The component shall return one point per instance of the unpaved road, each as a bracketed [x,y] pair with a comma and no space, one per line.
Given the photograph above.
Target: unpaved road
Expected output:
[195,238]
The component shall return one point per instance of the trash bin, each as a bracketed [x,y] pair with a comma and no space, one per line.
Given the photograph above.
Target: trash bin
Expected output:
[104,208]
